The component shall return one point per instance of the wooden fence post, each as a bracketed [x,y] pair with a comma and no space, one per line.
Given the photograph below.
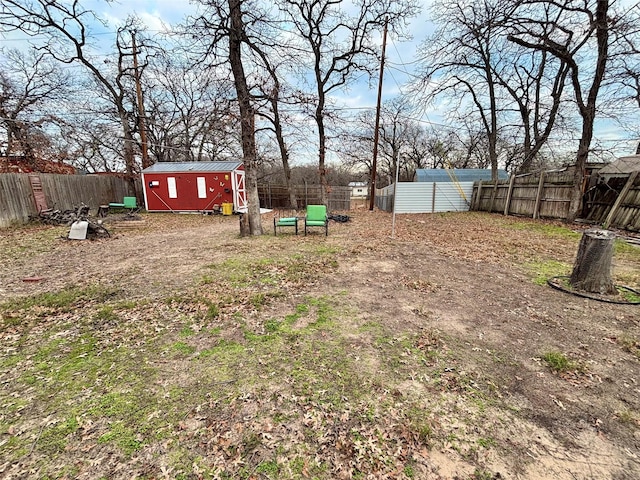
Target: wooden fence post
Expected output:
[627,186]
[509,193]
[477,197]
[493,195]
[536,209]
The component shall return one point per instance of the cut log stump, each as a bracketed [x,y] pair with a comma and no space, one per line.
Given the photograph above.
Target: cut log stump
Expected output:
[245,229]
[592,269]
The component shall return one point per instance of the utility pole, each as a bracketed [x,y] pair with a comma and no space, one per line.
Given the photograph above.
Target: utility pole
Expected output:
[141,114]
[372,189]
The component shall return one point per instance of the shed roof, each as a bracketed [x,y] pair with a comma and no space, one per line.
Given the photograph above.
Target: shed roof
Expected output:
[173,167]
[622,166]
[456,174]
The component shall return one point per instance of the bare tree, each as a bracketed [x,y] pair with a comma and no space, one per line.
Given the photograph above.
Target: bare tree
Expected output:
[463,52]
[190,115]
[578,33]
[28,83]
[224,27]
[64,26]
[237,35]
[513,92]
[338,45]
[271,91]
[535,82]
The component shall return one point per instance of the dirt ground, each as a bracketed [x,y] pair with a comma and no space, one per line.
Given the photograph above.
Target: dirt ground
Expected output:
[462,287]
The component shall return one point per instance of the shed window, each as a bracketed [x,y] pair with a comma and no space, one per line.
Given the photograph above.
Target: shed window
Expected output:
[171,183]
[202,187]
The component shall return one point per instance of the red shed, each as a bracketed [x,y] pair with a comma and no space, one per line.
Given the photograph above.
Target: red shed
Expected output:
[194,186]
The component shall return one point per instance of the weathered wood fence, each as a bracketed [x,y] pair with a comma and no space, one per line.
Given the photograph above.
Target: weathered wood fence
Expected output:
[277,196]
[615,204]
[546,194]
[19,199]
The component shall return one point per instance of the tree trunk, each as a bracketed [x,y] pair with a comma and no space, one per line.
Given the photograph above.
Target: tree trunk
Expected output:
[588,108]
[247,125]
[592,269]
[284,153]
[322,150]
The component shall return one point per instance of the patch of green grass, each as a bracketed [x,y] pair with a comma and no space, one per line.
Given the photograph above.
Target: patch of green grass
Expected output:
[106,314]
[63,299]
[628,295]
[542,228]
[30,240]
[269,468]
[258,300]
[243,273]
[224,349]
[409,471]
[629,417]
[486,442]
[123,436]
[629,344]
[544,270]
[323,249]
[558,362]
[482,474]
[53,439]
[129,304]
[183,348]
[624,249]
[187,331]
[425,433]
[213,311]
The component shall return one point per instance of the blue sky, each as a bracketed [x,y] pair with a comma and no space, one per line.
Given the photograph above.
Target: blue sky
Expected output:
[157,14]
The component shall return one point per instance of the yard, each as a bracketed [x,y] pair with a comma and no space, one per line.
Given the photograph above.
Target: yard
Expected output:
[176,349]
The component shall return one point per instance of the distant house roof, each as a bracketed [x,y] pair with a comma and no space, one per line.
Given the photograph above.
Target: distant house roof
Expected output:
[456,174]
[19,164]
[621,167]
[198,167]
[358,184]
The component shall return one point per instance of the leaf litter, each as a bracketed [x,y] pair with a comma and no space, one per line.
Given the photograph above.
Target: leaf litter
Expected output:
[348,356]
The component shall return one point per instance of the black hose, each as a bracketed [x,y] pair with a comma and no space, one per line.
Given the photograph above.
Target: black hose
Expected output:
[553,283]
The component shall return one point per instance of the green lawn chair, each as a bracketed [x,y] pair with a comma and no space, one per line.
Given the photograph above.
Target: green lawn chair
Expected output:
[316,217]
[285,222]
[129,203]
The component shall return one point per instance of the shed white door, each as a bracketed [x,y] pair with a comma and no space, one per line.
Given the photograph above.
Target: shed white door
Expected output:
[239,191]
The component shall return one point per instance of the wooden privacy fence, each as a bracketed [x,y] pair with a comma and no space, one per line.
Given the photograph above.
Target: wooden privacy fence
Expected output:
[277,196]
[546,194]
[24,195]
[616,204]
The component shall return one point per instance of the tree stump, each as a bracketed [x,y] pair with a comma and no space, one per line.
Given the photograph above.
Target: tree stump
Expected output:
[592,269]
[245,231]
